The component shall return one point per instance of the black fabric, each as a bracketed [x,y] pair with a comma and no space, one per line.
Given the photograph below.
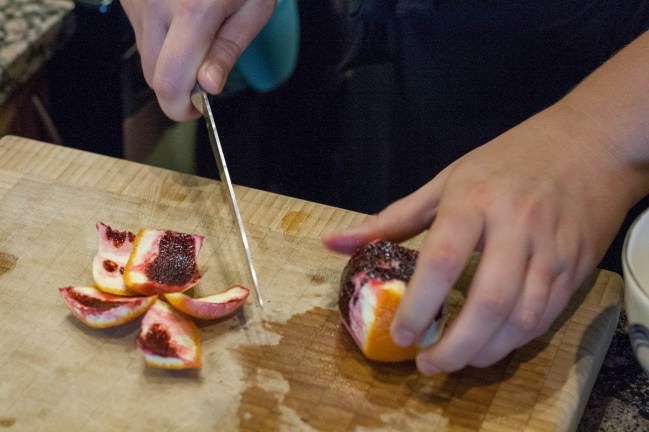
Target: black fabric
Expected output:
[466,71]
[423,83]
[469,70]
[370,40]
[85,81]
[284,140]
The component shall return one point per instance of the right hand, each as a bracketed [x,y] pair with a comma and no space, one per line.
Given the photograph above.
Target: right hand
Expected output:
[182,41]
[541,202]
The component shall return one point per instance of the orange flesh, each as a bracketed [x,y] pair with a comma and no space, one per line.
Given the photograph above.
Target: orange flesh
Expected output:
[379,345]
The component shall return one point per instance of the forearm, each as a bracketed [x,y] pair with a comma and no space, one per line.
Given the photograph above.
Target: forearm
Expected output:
[614,102]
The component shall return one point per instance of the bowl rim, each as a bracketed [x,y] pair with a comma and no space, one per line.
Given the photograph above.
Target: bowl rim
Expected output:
[625,252]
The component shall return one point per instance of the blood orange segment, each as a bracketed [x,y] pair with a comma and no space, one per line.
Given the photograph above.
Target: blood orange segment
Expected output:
[163,262]
[372,285]
[371,322]
[101,310]
[169,340]
[211,307]
[114,249]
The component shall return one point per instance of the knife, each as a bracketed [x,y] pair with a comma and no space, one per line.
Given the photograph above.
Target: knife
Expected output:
[201,102]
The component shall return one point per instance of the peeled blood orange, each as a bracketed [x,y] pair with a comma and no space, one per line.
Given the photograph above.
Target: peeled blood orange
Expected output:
[372,285]
[211,307]
[101,310]
[163,262]
[114,249]
[169,340]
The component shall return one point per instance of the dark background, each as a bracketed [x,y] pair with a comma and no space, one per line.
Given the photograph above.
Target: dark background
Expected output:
[377,105]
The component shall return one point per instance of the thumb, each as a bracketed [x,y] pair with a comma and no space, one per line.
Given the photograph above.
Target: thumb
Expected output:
[237,32]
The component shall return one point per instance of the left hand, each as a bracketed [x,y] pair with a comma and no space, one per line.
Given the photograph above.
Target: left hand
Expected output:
[542,202]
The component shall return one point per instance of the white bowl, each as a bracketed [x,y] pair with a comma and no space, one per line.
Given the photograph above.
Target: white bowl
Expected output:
[635,265]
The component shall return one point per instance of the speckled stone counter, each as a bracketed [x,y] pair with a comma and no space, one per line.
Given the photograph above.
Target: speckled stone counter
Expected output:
[30,31]
[620,398]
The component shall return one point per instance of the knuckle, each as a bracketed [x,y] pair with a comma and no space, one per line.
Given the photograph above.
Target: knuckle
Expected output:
[481,192]
[228,49]
[526,320]
[193,7]
[544,271]
[564,262]
[173,101]
[494,303]
[166,89]
[530,213]
[444,259]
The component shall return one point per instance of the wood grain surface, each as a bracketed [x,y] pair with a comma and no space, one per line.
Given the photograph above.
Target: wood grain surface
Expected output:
[290,367]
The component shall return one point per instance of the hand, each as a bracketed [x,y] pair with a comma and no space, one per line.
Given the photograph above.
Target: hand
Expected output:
[542,203]
[182,41]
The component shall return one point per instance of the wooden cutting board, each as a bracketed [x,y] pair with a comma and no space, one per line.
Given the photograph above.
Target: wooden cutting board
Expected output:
[291,368]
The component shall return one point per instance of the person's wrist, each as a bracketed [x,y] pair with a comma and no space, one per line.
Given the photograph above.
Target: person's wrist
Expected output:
[610,156]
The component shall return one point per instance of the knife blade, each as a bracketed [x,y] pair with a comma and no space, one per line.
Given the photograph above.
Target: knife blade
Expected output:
[201,102]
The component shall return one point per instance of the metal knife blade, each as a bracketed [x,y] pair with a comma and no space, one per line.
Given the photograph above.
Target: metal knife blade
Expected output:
[201,102]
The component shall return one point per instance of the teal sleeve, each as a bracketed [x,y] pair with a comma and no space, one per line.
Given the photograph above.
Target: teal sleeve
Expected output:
[271,57]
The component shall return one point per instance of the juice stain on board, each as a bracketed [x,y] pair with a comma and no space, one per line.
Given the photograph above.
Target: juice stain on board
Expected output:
[7,422]
[332,387]
[292,221]
[7,262]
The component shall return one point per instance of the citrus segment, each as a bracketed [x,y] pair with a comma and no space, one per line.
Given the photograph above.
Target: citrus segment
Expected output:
[163,262]
[169,340]
[114,249]
[378,344]
[101,310]
[372,285]
[211,307]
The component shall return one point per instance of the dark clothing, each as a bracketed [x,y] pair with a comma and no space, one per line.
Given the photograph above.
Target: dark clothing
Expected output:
[451,76]
[469,70]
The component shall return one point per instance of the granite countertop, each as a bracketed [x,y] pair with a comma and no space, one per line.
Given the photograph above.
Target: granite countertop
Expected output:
[620,395]
[30,31]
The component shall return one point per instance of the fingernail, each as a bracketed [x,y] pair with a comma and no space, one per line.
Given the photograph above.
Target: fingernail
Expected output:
[214,74]
[403,338]
[426,367]
[341,242]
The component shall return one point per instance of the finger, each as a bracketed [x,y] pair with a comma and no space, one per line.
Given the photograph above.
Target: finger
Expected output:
[149,43]
[522,324]
[571,265]
[493,293]
[150,26]
[237,32]
[130,10]
[560,293]
[188,40]
[446,249]
[399,221]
